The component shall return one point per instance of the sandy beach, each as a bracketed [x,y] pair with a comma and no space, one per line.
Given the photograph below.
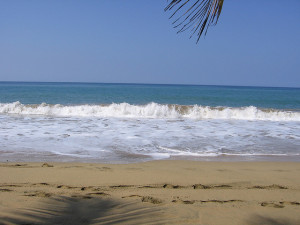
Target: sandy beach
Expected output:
[157,192]
[142,113]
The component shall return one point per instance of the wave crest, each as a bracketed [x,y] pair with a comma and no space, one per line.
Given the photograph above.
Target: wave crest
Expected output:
[151,110]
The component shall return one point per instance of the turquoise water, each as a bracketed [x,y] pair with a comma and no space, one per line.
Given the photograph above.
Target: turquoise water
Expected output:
[122,123]
[90,93]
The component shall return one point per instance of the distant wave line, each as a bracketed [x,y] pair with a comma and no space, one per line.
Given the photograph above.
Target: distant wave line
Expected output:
[150,110]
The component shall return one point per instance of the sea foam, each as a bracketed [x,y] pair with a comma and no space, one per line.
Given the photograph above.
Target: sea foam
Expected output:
[151,110]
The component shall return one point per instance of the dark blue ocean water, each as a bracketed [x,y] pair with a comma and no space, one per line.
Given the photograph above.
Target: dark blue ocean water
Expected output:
[94,93]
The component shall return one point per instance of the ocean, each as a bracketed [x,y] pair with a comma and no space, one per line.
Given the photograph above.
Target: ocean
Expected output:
[125,123]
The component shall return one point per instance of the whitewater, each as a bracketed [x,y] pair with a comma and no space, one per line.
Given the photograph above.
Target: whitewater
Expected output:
[151,110]
[123,123]
[129,133]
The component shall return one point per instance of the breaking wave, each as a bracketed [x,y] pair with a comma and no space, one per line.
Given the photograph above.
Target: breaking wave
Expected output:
[151,110]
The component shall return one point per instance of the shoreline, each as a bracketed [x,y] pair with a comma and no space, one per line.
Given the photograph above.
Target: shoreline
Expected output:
[155,192]
[35,158]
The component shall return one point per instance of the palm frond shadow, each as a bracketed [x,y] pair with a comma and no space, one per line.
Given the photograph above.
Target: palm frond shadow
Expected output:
[75,211]
[259,220]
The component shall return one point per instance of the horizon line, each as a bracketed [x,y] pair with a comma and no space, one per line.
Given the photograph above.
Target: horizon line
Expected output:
[129,83]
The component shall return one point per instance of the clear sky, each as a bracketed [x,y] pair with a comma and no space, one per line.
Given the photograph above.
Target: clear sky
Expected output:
[255,43]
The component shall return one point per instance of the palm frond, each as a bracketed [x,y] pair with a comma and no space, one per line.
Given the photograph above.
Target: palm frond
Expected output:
[198,15]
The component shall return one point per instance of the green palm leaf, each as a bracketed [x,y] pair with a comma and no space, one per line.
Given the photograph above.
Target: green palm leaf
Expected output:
[198,15]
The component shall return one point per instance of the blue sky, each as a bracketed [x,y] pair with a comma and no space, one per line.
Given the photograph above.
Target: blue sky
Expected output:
[255,43]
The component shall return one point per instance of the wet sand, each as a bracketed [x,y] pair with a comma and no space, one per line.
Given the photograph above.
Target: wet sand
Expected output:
[157,192]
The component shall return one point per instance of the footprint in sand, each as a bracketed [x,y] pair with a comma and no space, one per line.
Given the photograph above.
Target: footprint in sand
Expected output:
[132,196]
[38,194]
[272,204]
[151,200]
[170,186]
[99,194]
[290,203]
[279,204]
[47,165]
[221,186]
[273,186]
[180,201]
[66,187]
[104,168]
[5,190]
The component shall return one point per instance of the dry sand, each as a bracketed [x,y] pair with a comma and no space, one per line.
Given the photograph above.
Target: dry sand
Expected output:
[158,192]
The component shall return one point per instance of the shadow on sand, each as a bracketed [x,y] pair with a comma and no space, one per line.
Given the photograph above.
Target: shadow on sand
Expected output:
[78,210]
[263,220]
[75,211]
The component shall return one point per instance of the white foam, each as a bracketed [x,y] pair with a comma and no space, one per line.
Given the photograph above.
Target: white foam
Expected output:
[109,139]
[151,110]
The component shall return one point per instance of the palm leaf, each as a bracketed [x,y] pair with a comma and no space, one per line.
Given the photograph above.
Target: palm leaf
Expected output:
[198,15]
